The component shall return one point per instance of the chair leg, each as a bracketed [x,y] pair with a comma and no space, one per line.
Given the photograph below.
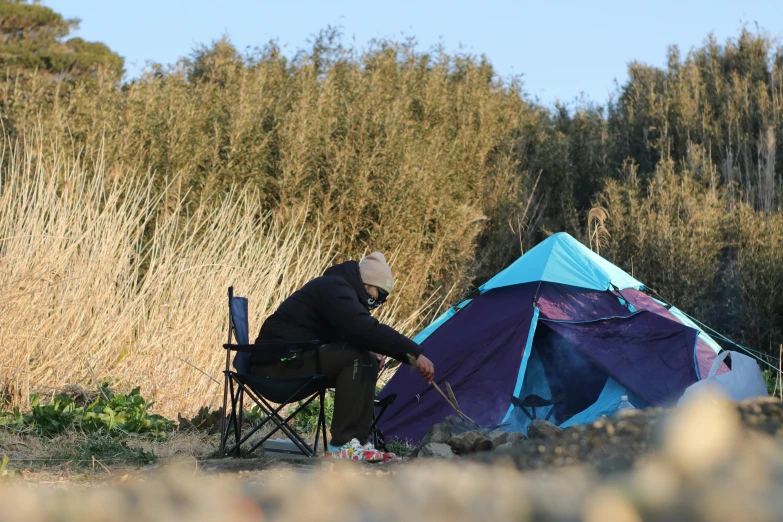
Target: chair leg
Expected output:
[318,424]
[291,432]
[235,416]
[227,422]
[375,432]
[272,414]
[241,410]
[253,431]
[282,425]
[323,424]
[224,415]
[238,419]
[225,434]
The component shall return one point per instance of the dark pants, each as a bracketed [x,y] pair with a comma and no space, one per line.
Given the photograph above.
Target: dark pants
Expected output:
[352,373]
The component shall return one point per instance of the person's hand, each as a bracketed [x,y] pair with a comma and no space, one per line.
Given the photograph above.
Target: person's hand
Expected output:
[426,368]
[380,358]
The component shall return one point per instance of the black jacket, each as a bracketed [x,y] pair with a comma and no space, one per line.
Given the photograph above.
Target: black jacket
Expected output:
[333,308]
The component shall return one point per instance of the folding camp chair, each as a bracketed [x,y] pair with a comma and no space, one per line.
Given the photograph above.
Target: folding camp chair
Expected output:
[533,402]
[264,390]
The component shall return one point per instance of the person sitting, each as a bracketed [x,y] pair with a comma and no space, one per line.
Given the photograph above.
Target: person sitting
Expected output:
[335,309]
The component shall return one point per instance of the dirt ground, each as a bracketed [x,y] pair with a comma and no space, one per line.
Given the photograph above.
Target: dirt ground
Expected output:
[710,460]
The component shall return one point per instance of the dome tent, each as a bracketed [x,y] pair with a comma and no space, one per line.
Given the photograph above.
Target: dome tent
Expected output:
[560,323]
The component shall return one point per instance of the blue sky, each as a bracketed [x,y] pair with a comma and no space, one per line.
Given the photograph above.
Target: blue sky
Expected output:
[563,49]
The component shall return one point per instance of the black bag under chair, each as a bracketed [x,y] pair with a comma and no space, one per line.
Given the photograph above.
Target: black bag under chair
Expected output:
[264,391]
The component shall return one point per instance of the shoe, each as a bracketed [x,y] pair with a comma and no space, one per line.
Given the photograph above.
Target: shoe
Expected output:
[354,450]
[351,450]
[385,456]
[372,454]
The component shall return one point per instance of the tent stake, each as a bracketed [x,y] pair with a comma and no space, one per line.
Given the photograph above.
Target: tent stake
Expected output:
[453,405]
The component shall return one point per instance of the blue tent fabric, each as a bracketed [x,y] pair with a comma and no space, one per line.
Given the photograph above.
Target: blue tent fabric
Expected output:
[606,404]
[563,259]
[559,321]
[525,362]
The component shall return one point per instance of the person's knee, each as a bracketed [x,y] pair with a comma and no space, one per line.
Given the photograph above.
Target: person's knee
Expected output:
[369,365]
[348,356]
[375,367]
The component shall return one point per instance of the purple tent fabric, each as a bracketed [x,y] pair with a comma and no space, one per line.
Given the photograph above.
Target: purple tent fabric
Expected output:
[571,303]
[648,354]
[705,355]
[478,351]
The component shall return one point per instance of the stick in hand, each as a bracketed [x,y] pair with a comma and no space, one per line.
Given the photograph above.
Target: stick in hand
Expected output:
[452,403]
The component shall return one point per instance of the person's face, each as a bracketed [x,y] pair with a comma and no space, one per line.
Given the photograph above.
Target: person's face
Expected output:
[375,297]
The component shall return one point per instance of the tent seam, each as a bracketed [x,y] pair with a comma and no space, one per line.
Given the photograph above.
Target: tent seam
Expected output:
[525,359]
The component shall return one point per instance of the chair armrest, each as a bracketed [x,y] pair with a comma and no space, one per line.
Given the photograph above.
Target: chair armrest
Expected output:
[246,348]
[314,342]
[386,401]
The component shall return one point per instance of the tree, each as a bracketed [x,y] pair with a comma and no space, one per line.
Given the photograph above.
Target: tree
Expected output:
[33,40]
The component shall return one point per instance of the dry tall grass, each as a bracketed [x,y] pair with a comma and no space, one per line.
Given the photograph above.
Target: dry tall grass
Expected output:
[98,279]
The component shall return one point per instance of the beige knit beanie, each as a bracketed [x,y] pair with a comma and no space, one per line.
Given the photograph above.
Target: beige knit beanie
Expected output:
[376,272]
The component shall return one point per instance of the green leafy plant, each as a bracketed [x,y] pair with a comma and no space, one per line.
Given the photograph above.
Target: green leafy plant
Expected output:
[111,413]
[307,419]
[400,448]
[771,380]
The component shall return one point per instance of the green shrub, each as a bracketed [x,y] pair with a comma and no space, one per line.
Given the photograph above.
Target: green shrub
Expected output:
[771,380]
[307,419]
[400,448]
[110,413]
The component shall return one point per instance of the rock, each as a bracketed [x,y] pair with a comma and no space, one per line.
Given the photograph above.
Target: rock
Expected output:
[443,431]
[436,450]
[541,429]
[505,447]
[491,440]
[468,442]
[458,424]
[438,433]
[687,447]
[515,436]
